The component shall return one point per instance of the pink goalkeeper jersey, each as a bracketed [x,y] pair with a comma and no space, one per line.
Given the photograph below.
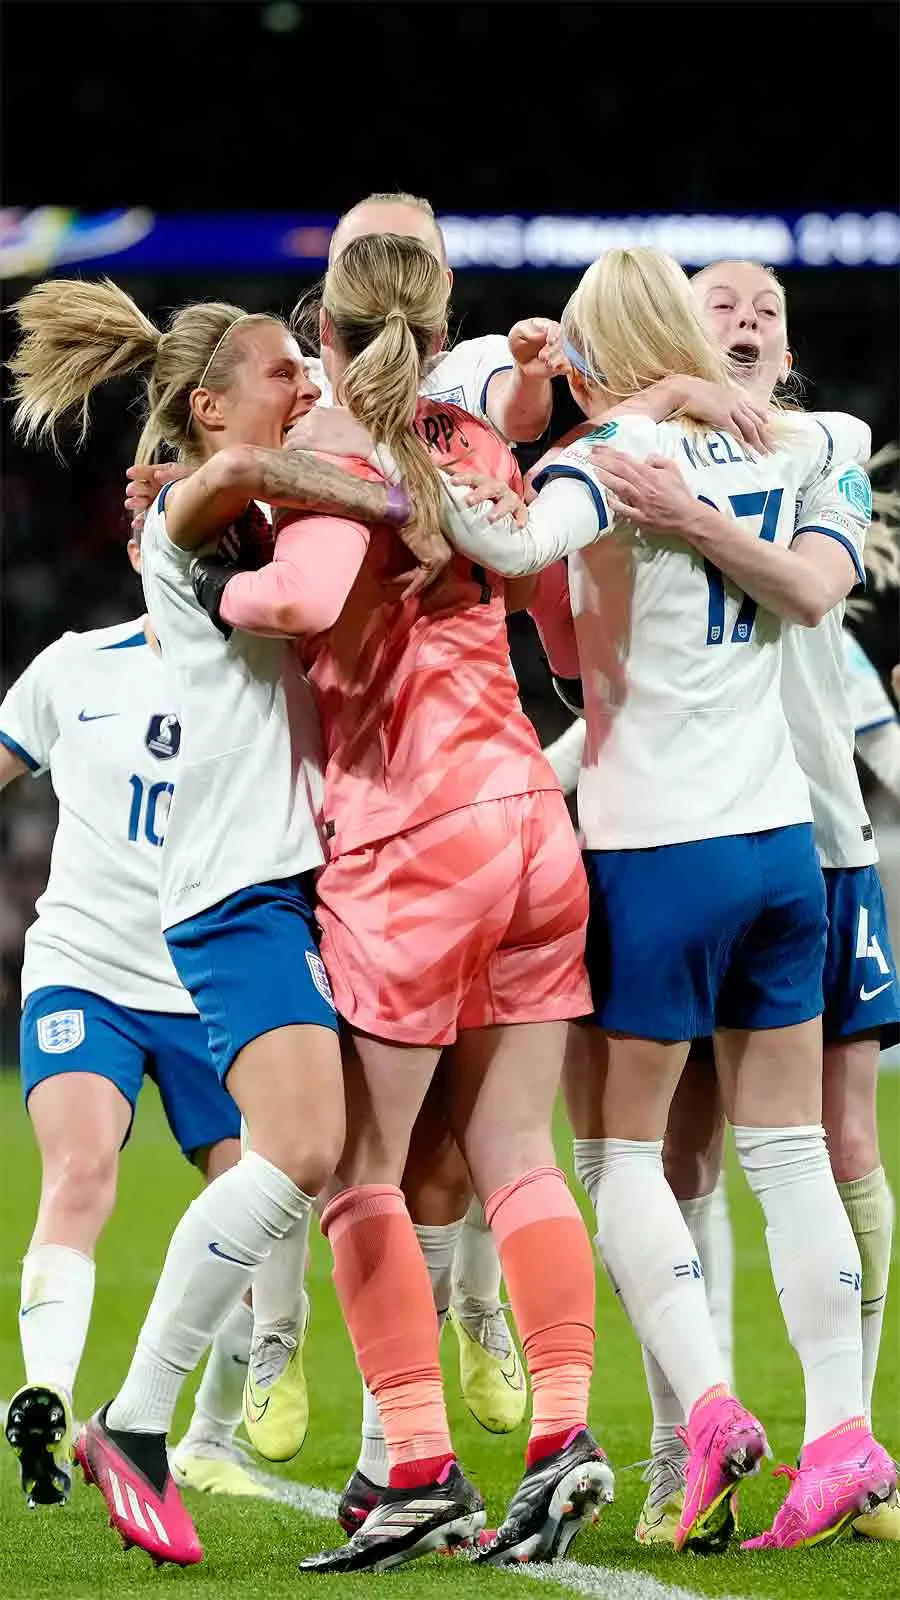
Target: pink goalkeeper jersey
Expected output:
[419,705]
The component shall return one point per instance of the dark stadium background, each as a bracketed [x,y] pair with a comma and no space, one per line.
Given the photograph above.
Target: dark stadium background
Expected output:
[614,107]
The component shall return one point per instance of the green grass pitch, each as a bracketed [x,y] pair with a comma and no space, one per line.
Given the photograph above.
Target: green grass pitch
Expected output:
[252,1547]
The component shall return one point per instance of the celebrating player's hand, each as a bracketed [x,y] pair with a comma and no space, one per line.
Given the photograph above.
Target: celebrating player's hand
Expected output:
[433,555]
[724,408]
[506,502]
[536,348]
[332,429]
[650,493]
[144,484]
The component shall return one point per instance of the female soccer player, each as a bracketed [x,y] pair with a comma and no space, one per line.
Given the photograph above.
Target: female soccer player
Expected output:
[224,388]
[695,811]
[102,1007]
[743,306]
[452,908]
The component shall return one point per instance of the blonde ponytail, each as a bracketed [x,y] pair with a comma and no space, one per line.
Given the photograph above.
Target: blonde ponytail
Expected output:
[77,335]
[387,296]
[74,337]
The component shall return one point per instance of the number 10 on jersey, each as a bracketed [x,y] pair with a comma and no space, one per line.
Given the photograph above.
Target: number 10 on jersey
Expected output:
[762,503]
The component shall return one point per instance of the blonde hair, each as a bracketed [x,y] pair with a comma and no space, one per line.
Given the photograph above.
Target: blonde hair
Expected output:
[399,197]
[386,296]
[881,554]
[75,336]
[634,319]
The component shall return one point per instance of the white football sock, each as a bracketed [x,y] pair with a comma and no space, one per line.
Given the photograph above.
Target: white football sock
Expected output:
[279,1298]
[650,1256]
[667,1413]
[57,1296]
[217,1407]
[215,1250]
[815,1265]
[476,1264]
[869,1205]
[373,1456]
[718,1270]
[439,1248]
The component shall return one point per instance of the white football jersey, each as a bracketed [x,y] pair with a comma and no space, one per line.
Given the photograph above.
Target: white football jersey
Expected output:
[249,793]
[97,710]
[870,704]
[686,733]
[460,376]
[815,681]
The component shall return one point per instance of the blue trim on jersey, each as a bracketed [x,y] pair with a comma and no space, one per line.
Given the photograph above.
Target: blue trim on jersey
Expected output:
[832,533]
[491,375]
[554,471]
[867,727]
[126,644]
[16,750]
[161,497]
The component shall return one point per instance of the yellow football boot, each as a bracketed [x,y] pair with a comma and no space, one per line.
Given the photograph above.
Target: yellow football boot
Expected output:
[276,1399]
[491,1375]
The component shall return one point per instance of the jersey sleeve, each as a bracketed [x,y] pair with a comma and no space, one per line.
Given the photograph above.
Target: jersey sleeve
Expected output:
[28,721]
[838,504]
[634,435]
[869,702]
[464,374]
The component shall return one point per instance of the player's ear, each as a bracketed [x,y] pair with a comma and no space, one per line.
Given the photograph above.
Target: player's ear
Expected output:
[206,407]
[450,278]
[326,329]
[134,554]
[788,364]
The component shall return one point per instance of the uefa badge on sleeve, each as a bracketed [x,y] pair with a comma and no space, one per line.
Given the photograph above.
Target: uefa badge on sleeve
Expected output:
[60,1032]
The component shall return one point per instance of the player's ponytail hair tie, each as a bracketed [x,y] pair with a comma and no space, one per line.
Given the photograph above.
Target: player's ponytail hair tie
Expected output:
[393,314]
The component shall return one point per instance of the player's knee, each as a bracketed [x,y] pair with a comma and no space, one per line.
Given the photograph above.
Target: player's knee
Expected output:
[690,1172]
[307,1153]
[82,1182]
[852,1146]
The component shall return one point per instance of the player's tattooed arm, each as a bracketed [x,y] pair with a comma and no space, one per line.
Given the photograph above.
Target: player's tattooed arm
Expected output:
[204,503]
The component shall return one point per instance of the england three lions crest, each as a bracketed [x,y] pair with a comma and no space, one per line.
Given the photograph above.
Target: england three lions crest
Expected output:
[59,1032]
[163,738]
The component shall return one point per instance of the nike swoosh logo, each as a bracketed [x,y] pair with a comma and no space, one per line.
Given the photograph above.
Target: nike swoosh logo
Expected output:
[240,1361]
[255,1411]
[99,716]
[869,994]
[514,1378]
[36,1306]
[224,1256]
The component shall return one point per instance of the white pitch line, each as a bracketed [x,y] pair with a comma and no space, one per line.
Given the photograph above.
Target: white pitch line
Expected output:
[598,1583]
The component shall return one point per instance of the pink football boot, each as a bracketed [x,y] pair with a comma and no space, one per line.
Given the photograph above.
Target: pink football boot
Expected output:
[725,1443]
[841,1475]
[131,1471]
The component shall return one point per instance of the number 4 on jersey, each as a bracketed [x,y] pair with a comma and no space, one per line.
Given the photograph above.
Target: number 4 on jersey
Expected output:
[762,503]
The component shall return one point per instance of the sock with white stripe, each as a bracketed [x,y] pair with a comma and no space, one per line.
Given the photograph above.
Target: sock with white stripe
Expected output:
[476,1264]
[869,1205]
[815,1264]
[667,1413]
[217,1407]
[279,1296]
[718,1270]
[651,1258]
[439,1245]
[215,1251]
[57,1296]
